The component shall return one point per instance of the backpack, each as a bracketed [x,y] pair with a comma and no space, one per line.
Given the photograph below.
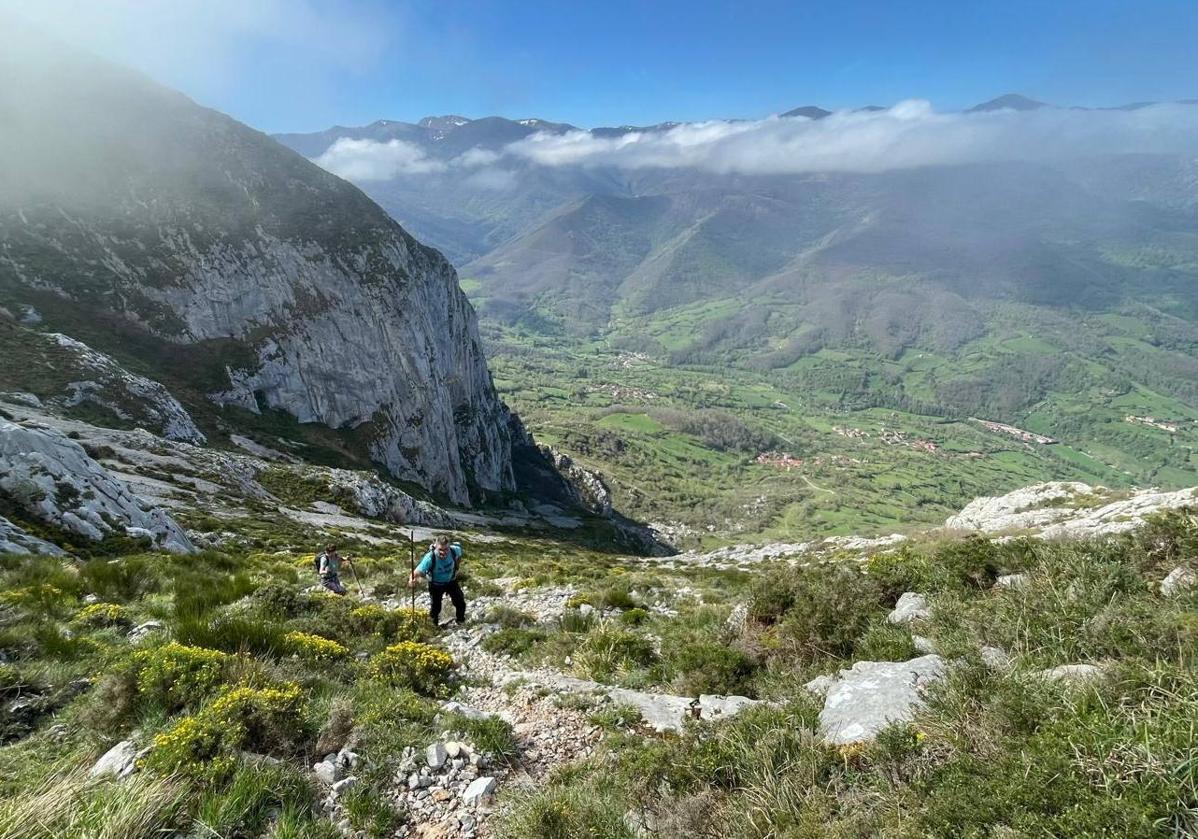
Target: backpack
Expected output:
[316,562]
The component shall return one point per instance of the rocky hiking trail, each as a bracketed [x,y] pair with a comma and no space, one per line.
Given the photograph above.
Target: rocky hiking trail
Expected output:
[449,789]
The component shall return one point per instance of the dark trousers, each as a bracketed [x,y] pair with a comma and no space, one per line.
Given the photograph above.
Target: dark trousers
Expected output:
[437,591]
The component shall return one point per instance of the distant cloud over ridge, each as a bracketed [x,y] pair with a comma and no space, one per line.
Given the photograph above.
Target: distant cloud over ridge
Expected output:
[909,135]
[371,160]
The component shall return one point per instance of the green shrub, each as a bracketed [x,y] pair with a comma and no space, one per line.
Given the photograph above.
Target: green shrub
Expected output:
[634,617]
[126,579]
[816,613]
[973,562]
[279,600]
[314,648]
[509,618]
[610,650]
[206,744]
[514,641]
[232,632]
[392,624]
[101,615]
[490,735]
[42,598]
[573,620]
[419,667]
[899,571]
[174,676]
[705,665]
[883,641]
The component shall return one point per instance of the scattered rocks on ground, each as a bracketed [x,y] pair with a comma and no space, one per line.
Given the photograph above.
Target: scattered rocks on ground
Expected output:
[1014,581]
[328,773]
[479,791]
[873,694]
[1177,581]
[1073,674]
[820,685]
[118,762]
[143,630]
[910,607]
[995,658]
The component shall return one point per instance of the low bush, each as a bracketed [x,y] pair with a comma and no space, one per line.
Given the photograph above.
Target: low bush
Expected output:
[815,613]
[232,632]
[314,648]
[704,665]
[207,744]
[419,667]
[392,624]
[634,617]
[174,676]
[610,650]
[884,641]
[514,641]
[102,615]
[509,618]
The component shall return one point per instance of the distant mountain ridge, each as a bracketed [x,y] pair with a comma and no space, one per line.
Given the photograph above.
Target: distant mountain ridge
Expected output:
[447,134]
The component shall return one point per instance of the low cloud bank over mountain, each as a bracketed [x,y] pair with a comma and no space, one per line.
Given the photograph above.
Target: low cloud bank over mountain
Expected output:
[909,135]
[370,160]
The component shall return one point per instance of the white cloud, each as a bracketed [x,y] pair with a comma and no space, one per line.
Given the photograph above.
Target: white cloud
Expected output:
[371,160]
[911,134]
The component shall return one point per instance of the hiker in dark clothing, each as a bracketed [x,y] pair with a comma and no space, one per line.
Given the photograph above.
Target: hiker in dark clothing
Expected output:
[328,566]
[440,567]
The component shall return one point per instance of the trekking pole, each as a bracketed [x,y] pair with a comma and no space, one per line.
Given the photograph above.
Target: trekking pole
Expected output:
[412,564]
[354,571]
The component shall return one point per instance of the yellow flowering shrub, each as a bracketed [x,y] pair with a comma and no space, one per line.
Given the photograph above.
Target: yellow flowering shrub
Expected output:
[420,667]
[42,596]
[391,624]
[313,647]
[177,676]
[241,718]
[98,615]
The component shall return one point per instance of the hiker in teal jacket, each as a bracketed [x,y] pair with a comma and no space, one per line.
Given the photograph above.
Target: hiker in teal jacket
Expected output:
[440,567]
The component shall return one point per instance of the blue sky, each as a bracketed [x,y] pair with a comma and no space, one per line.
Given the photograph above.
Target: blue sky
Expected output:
[301,65]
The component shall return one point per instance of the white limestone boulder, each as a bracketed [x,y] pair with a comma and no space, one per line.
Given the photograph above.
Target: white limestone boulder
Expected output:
[874,694]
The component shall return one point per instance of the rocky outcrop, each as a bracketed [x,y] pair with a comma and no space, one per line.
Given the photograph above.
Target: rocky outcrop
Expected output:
[1177,581]
[131,397]
[874,694]
[16,540]
[51,478]
[910,607]
[590,489]
[376,499]
[1066,510]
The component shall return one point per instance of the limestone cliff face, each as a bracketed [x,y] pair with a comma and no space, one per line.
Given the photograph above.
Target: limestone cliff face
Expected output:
[158,231]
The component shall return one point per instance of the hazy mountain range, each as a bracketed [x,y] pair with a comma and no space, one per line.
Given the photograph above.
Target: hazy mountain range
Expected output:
[1016,260]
